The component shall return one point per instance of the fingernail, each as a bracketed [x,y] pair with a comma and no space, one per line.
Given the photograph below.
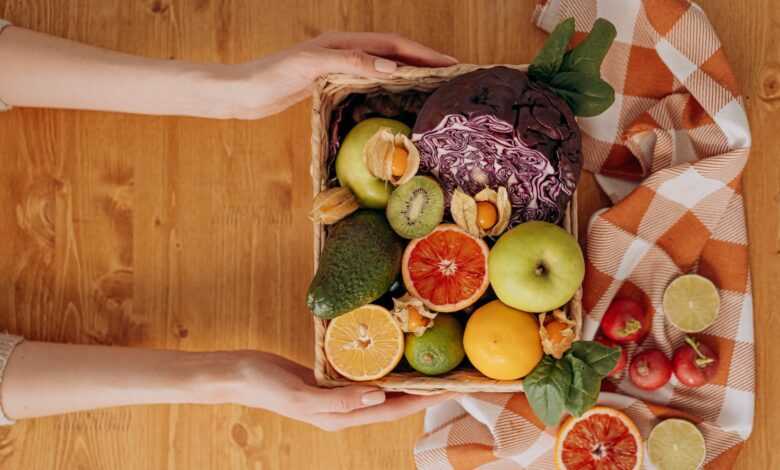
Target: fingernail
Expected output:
[373,398]
[385,66]
[452,59]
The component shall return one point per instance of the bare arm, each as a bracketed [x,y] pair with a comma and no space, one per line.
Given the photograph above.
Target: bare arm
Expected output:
[39,70]
[44,379]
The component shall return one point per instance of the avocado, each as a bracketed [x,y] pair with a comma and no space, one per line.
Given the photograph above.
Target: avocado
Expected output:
[371,192]
[360,261]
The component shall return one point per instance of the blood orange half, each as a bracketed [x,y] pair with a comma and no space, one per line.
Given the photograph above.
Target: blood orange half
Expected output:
[447,269]
[602,437]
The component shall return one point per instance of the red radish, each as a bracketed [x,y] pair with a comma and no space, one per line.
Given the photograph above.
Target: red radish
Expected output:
[650,370]
[621,363]
[694,363]
[625,321]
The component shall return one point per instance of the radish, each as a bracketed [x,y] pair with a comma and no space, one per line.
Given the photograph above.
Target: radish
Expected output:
[650,370]
[694,363]
[621,363]
[625,321]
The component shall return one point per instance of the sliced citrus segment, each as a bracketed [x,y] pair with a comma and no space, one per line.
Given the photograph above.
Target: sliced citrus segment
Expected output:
[676,444]
[364,344]
[691,303]
[602,437]
[446,269]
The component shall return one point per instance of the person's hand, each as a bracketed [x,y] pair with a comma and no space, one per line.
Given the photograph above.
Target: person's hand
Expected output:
[274,83]
[276,384]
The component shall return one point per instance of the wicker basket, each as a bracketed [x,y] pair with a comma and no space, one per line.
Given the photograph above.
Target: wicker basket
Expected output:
[329,92]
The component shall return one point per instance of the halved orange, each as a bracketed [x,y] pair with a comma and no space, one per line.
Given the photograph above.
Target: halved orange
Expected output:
[446,269]
[364,344]
[602,438]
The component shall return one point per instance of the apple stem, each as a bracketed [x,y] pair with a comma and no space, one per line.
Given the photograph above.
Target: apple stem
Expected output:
[540,270]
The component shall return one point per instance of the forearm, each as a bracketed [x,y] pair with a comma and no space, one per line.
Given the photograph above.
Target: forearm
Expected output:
[39,70]
[45,379]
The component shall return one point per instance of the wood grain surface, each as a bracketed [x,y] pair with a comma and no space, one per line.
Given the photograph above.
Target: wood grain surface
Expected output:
[192,234]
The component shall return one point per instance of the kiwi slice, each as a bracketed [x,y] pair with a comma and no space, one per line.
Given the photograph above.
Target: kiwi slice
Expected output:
[416,207]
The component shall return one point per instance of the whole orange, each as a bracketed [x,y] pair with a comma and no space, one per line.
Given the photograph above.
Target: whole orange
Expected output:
[501,342]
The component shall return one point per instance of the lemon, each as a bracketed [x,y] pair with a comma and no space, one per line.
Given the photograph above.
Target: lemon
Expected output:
[691,303]
[676,444]
[364,344]
[501,342]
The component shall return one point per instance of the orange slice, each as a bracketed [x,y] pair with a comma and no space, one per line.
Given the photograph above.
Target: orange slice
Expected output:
[364,344]
[602,437]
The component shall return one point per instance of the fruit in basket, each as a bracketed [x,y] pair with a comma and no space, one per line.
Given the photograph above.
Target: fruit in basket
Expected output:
[416,207]
[557,331]
[676,444]
[351,167]
[650,370]
[439,349]
[359,262]
[364,344]
[412,315]
[391,156]
[332,205]
[694,363]
[486,214]
[536,267]
[691,303]
[625,321]
[496,128]
[501,342]
[602,438]
[446,269]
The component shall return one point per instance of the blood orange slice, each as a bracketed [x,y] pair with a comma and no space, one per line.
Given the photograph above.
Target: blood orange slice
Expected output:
[602,437]
[447,269]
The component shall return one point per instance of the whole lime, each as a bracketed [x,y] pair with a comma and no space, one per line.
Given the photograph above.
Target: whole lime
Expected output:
[439,349]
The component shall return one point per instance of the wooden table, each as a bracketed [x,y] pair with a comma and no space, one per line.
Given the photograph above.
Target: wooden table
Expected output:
[193,234]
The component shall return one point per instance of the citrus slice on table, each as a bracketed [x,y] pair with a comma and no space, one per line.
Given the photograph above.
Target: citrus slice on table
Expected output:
[602,437]
[691,303]
[446,269]
[364,344]
[676,444]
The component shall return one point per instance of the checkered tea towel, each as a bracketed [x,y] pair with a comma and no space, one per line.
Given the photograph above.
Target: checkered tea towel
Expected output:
[670,154]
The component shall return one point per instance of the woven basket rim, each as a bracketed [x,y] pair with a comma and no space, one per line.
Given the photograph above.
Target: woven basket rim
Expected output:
[329,91]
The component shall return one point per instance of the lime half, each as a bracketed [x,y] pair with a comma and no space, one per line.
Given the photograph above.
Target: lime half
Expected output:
[691,303]
[676,444]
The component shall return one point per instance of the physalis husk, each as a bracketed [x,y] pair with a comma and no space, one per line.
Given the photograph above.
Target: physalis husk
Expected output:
[391,157]
[485,214]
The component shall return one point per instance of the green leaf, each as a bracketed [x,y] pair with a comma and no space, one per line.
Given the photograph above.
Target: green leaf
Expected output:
[547,389]
[585,386]
[589,54]
[548,61]
[587,95]
[600,357]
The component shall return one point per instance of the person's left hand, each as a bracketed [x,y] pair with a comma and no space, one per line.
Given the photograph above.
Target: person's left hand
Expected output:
[272,84]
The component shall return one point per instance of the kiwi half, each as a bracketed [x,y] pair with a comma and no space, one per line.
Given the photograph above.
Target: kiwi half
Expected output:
[416,207]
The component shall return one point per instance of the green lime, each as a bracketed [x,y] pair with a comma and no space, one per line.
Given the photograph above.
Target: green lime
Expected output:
[676,444]
[691,303]
[439,349]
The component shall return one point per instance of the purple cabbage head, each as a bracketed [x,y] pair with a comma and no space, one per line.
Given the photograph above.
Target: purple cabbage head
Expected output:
[494,127]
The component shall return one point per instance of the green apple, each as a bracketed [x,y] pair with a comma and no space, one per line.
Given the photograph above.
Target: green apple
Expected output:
[351,169]
[536,267]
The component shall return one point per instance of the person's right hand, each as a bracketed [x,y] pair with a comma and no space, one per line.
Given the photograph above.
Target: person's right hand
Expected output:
[276,384]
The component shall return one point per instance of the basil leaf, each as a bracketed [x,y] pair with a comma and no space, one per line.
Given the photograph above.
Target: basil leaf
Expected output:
[547,389]
[548,61]
[587,95]
[585,386]
[598,356]
[589,54]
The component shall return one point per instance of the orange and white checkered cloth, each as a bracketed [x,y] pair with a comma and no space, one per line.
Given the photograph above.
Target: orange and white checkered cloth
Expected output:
[670,154]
